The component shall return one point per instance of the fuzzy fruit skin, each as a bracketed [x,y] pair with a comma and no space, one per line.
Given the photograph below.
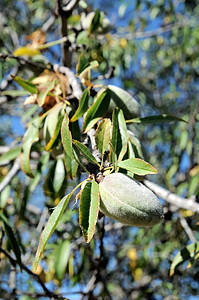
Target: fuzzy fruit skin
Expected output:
[129,201]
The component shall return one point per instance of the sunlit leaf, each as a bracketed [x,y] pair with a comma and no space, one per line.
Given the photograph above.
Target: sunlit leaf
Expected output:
[85,152]
[102,136]
[26,51]
[49,228]
[14,93]
[11,154]
[88,209]
[66,137]
[83,106]
[25,84]
[187,253]
[84,65]
[59,175]
[119,137]
[137,166]
[71,166]
[31,136]
[96,111]
[123,100]
[56,133]
[61,259]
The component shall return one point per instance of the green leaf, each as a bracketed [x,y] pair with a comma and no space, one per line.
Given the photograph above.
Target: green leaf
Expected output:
[137,166]
[102,136]
[135,143]
[27,114]
[123,100]
[88,209]
[119,137]
[31,136]
[187,253]
[59,175]
[26,85]
[4,196]
[96,111]
[15,93]
[156,119]
[49,228]
[10,155]
[71,166]
[84,65]
[61,259]
[43,91]
[56,133]
[85,152]
[83,105]
[95,22]
[66,137]
[11,237]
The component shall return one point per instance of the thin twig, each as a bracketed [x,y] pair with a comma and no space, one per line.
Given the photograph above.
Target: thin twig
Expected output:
[186,227]
[158,31]
[14,170]
[172,198]
[35,276]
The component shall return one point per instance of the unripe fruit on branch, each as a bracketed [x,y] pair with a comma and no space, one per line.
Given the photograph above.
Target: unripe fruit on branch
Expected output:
[128,201]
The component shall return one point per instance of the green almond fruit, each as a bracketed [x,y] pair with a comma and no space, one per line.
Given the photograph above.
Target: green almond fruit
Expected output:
[129,201]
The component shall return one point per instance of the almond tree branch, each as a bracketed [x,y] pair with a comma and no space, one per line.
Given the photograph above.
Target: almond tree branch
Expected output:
[172,198]
[64,12]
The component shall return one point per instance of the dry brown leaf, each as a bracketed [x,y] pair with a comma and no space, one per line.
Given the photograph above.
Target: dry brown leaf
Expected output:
[37,39]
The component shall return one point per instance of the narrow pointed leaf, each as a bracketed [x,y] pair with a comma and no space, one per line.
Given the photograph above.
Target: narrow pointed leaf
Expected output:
[123,100]
[95,22]
[59,175]
[137,166]
[48,230]
[15,93]
[13,153]
[119,137]
[61,259]
[85,152]
[187,253]
[83,106]
[56,133]
[71,166]
[96,111]
[11,237]
[123,134]
[156,119]
[26,51]
[31,136]
[102,136]
[66,137]
[84,65]
[88,210]
[26,85]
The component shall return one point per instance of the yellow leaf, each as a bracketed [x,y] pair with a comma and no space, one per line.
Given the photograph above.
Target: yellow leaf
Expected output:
[132,254]
[26,51]
[138,274]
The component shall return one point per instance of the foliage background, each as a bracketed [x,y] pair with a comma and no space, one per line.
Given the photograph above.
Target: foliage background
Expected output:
[153,47]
